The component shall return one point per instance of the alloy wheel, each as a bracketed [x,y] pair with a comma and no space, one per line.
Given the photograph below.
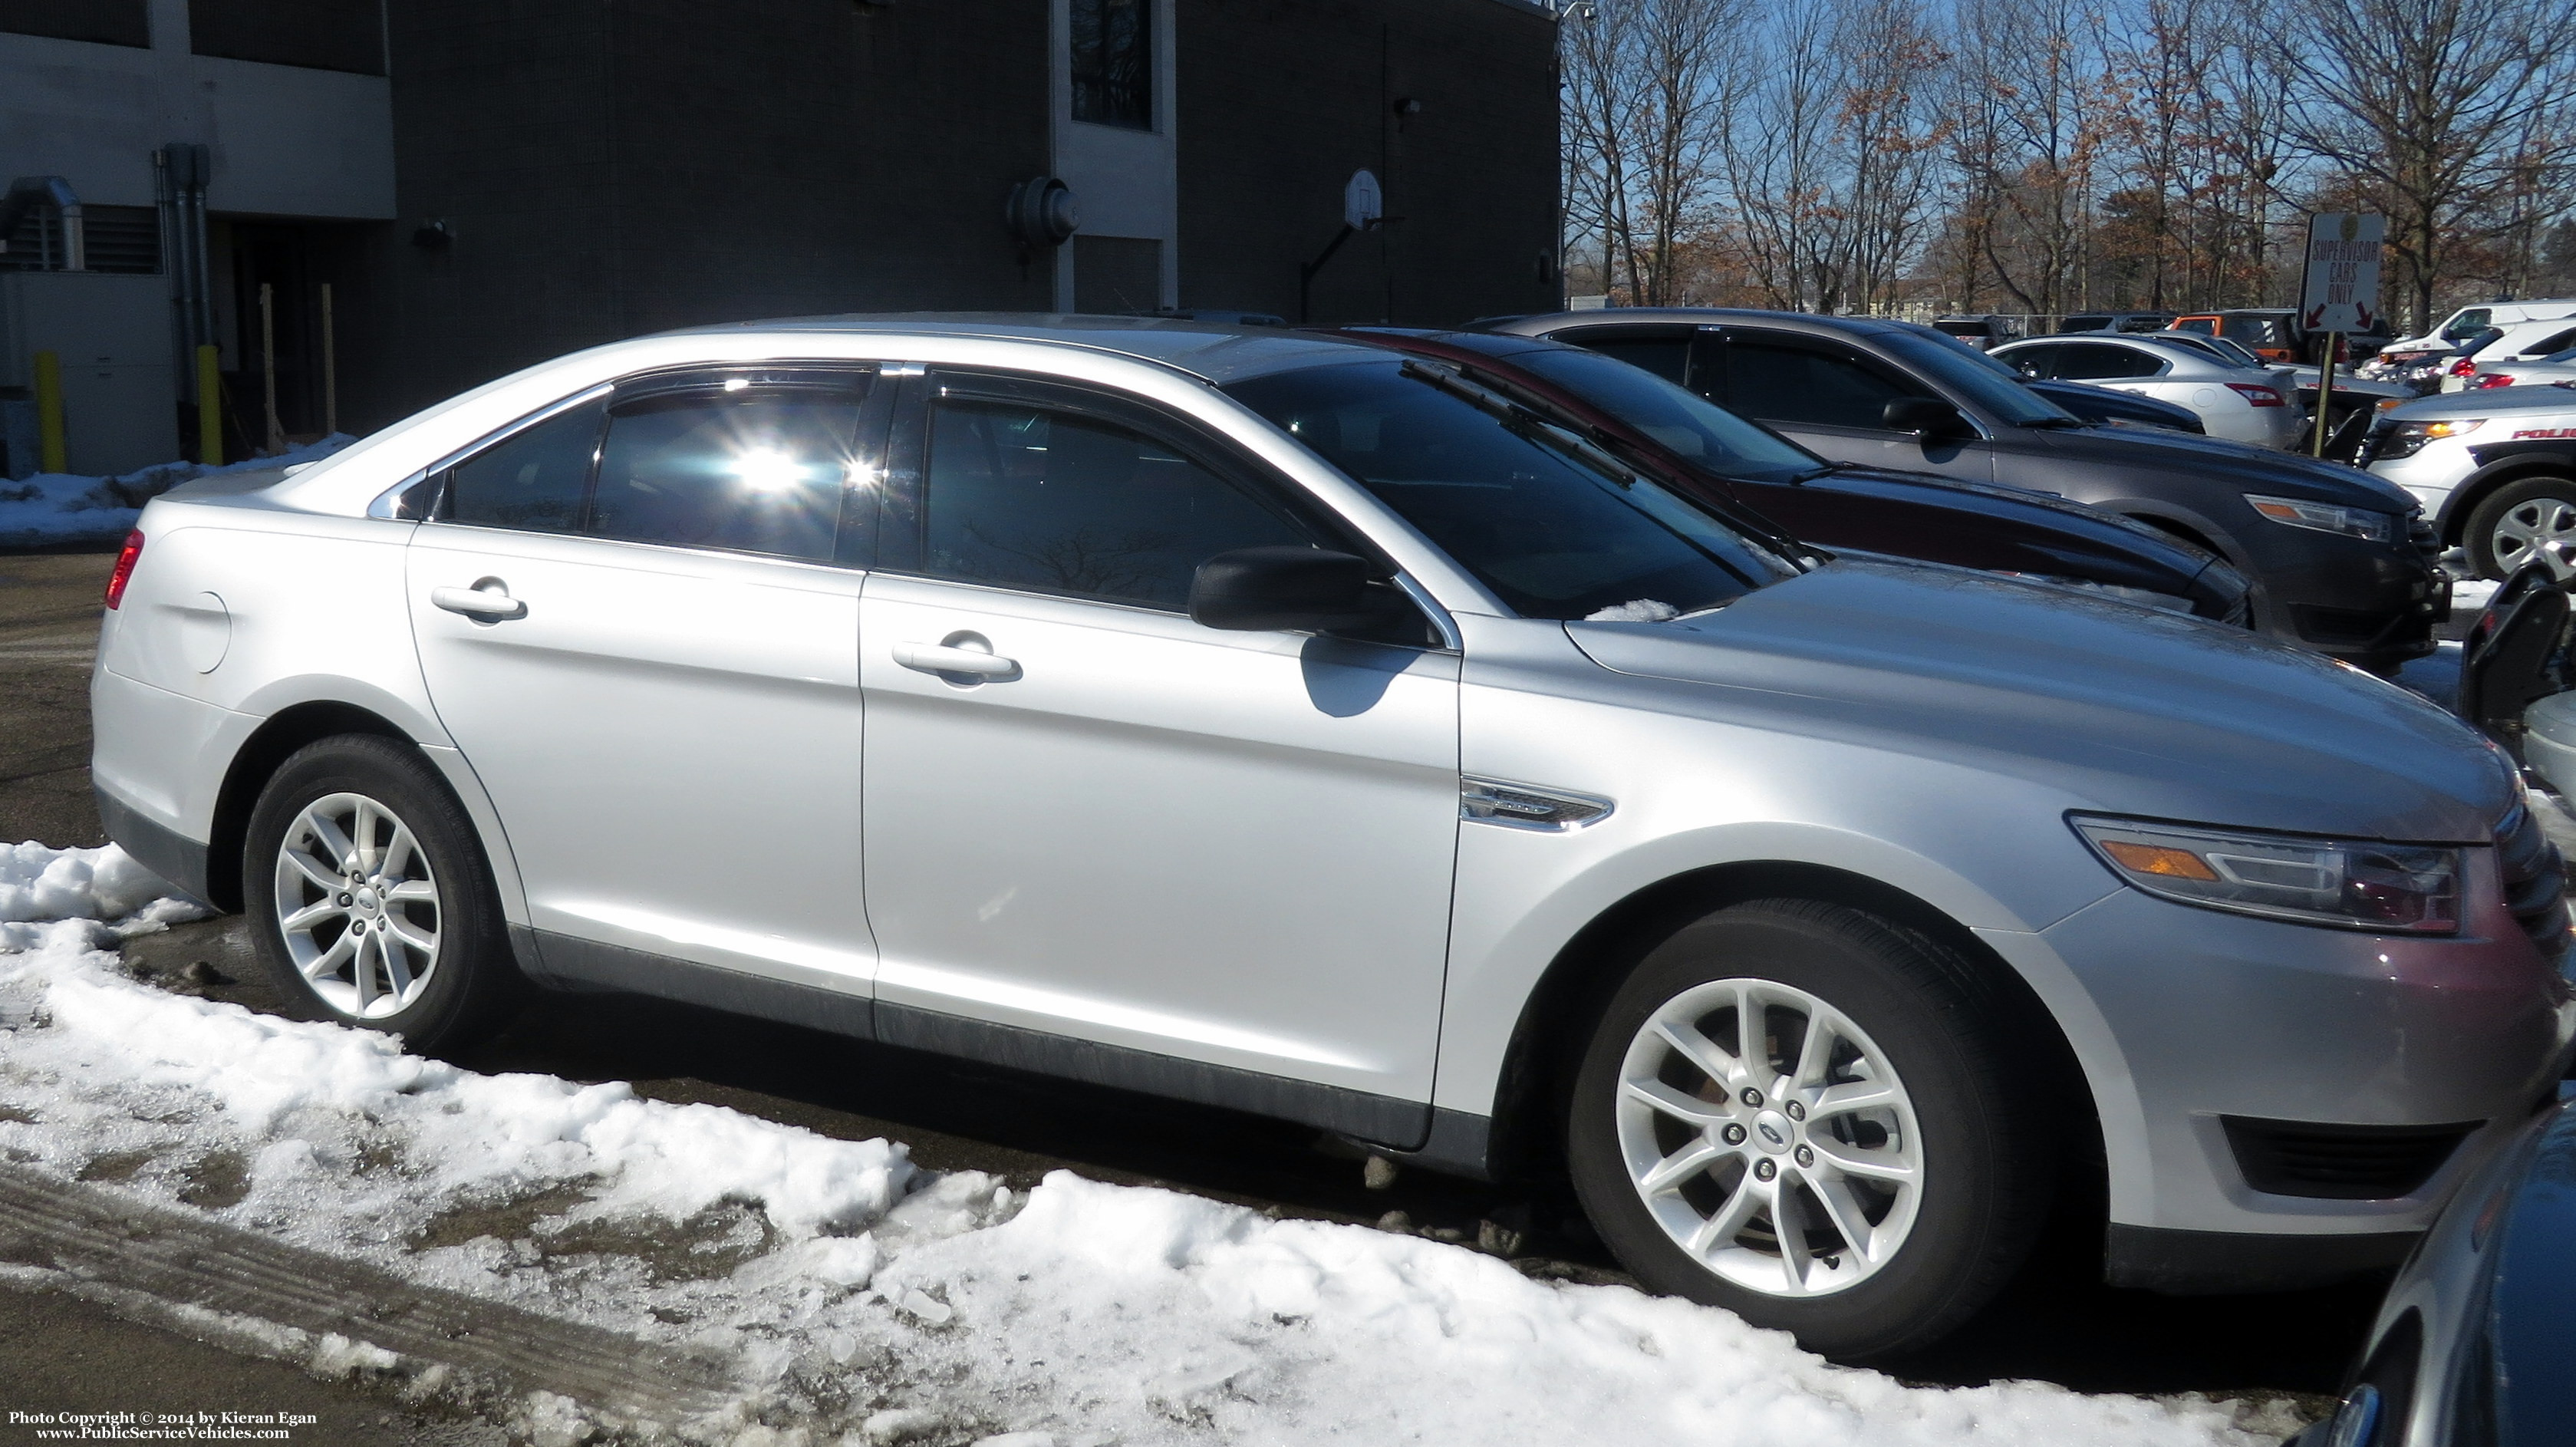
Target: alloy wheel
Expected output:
[358,906]
[2537,529]
[1769,1137]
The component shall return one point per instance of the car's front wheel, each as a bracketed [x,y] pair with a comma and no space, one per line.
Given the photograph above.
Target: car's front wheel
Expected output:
[2525,522]
[369,898]
[1814,1118]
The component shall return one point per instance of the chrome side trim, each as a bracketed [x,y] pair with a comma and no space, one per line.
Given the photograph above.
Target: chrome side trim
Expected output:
[389,503]
[1441,623]
[1528,806]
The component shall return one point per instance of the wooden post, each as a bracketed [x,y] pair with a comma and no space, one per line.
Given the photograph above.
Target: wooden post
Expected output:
[51,454]
[330,370]
[210,405]
[268,367]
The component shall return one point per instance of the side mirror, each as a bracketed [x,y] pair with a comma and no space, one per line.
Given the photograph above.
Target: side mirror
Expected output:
[1929,416]
[1290,589]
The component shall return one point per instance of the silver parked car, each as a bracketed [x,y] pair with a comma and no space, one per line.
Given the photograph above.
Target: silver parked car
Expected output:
[1277,721]
[2242,404]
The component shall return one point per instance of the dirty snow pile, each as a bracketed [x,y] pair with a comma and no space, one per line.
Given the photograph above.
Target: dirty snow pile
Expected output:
[1635,610]
[55,507]
[871,1303]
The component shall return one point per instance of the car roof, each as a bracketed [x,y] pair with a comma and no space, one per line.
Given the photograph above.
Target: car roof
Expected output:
[1713,315]
[1216,351]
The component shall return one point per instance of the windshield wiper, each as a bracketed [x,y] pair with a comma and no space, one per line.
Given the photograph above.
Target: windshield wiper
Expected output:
[1523,421]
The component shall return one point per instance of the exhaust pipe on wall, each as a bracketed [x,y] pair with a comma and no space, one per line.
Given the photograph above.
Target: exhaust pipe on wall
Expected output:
[28,192]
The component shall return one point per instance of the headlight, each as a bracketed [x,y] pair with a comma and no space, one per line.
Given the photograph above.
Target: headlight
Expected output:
[2326,517]
[2408,438]
[2350,884]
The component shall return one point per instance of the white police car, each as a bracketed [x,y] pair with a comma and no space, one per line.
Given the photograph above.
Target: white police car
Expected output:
[2495,470]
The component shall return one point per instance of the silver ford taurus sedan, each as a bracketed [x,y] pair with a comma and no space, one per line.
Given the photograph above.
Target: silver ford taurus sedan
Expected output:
[1274,721]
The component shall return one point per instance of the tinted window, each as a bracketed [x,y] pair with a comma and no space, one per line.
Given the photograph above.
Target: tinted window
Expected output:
[1552,537]
[1113,62]
[1057,502]
[1973,374]
[1682,420]
[2254,331]
[1666,355]
[2085,324]
[2554,342]
[2093,362]
[111,22]
[756,472]
[532,480]
[2467,323]
[2033,361]
[1781,380]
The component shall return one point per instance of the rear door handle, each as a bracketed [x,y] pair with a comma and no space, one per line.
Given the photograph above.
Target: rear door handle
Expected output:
[488,600]
[945,659]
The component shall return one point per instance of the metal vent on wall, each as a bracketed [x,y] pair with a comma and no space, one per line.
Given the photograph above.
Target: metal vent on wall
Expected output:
[117,238]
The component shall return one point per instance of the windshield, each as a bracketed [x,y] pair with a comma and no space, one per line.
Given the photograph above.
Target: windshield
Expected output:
[1692,426]
[1988,382]
[2234,352]
[1511,498]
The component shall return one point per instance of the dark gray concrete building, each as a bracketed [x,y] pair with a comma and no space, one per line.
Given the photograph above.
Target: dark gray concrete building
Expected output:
[485,183]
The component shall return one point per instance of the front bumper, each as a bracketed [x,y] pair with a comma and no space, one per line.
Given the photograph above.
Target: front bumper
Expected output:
[2430,473]
[2211,1015]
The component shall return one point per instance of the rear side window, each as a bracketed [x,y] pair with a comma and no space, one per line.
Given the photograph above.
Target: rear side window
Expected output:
[532,480]
[1790,382]
[2093,362]
[1056,501]
[753,472]
[1667,355]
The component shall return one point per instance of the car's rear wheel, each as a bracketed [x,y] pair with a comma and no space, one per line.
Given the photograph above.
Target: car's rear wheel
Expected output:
[1811,1117]
[2525,522]
[370,900]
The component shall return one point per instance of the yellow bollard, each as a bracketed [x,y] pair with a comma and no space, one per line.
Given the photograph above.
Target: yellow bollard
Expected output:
[210,406]
[50,453]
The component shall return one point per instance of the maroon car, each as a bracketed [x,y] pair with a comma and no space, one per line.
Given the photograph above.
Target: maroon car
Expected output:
[1741,465]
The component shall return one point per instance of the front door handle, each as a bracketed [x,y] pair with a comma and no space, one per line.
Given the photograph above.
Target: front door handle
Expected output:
[488,600]
[947,658]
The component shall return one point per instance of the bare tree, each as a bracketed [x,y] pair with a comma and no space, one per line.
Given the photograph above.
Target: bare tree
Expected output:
[2439,107]
[1642,112]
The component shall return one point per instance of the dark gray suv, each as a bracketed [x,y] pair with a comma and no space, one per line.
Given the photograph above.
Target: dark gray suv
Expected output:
[2340,561]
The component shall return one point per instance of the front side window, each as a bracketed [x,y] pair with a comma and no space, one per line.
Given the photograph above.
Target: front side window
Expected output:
[1972,374]
[1511,501]
[533,480]
[748,471]
[1054,501]
[1113,62]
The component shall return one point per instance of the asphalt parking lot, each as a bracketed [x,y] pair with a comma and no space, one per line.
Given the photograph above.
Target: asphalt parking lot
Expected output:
[2056,1324]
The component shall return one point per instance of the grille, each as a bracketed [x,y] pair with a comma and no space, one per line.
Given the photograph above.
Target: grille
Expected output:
[2340,1162]
[2535,879]
[116,238]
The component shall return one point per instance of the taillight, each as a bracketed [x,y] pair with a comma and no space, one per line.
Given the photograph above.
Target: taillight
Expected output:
[2256,394]
[2463,367]
[2484,380]
[125,560]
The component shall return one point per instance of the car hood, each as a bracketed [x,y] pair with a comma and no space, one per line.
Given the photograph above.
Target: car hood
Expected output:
[1996,498]
[2485,404]
[2122,709]
[2255,469]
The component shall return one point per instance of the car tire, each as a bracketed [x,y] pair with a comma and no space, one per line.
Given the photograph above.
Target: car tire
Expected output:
[371,903]
[2521,522]
[1915,1073]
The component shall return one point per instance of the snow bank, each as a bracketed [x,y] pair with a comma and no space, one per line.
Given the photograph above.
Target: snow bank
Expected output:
[872,1303]
[1636,610]
[57,507]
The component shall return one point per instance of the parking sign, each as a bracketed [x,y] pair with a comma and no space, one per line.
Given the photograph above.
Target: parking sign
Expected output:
[2341,293]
